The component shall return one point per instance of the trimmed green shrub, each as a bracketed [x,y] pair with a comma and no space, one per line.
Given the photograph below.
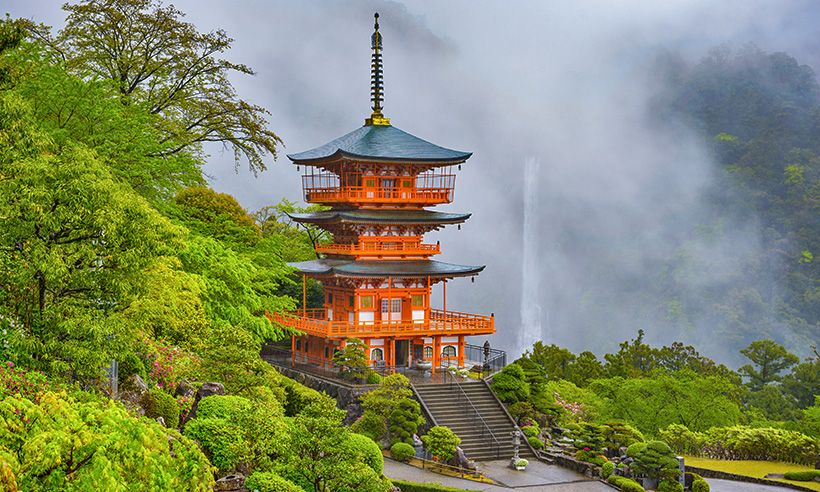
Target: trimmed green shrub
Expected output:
[591,456]
[670,486]
[441,441]
[802,476]
[402,451]
[657,460]
[510,385]
[407,486]
[370,453]
[373,378]
[531,430]
[625,484]
[700,485]
[586,435]
[618,434]
[222,407]
[633,450]
[269,482]
[607,469]
[370,425]
[681,439]
[158,403]
[405,421]
[535,442]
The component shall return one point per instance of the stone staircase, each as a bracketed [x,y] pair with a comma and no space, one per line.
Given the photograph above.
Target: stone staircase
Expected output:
[448,409]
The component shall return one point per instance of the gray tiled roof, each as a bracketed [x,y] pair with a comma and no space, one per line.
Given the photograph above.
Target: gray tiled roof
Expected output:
[381,142]
[378,269]
[380,217]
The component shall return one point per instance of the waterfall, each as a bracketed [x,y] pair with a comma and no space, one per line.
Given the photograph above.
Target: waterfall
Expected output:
[531,329]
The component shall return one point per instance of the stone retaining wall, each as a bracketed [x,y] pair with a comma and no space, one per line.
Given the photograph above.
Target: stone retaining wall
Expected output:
[346,395]
[720,475]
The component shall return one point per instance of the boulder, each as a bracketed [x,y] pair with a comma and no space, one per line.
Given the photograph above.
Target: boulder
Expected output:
[460,460]
[231,483]
[131,393]
[207,389]
[186,389]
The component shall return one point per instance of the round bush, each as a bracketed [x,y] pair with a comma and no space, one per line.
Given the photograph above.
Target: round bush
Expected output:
[373,378]
[635,449]
[607,469]
[368,451]
[535,442]
[700,485]
[441,441]
[269,482]
[370,425]
[158,403]
[402,451]
[670,486]
[531,430]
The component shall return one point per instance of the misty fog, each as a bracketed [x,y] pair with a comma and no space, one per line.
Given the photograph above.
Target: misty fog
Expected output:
[567,85]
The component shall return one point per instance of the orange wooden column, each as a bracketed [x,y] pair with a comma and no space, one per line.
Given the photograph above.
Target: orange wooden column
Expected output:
[461,351]
[293,351]
[436,354]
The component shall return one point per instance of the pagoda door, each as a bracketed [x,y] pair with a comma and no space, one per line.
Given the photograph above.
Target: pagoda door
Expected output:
[391,310]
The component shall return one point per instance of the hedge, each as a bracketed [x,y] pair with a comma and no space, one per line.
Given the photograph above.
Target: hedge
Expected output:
[802,476]
[625,484]
[407,486]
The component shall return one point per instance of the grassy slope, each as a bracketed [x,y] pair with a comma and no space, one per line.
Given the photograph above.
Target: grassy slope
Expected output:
[756,469]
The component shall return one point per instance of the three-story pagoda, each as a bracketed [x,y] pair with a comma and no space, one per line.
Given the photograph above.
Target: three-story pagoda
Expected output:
[377,275]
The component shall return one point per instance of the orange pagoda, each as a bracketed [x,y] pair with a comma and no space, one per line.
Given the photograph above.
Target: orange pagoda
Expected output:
[377,275]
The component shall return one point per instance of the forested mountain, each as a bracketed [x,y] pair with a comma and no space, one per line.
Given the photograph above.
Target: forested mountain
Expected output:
[759,113]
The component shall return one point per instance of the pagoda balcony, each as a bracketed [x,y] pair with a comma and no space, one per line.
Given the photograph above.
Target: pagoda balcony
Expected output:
[382,247]
[426,189]
[315,322]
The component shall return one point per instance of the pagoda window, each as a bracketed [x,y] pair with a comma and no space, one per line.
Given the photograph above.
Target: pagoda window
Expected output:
[448,351]
[366,302]
[330,297]
[377,354]
[417,300]
[298,344]
[391,309]
[428,352]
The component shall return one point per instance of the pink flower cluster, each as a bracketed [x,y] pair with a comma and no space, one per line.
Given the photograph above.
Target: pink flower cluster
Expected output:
[168,363]
[185,404]
[574,408]
[28,384]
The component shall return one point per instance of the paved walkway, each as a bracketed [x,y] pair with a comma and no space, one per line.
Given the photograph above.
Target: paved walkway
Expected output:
[732,486]
[538,476]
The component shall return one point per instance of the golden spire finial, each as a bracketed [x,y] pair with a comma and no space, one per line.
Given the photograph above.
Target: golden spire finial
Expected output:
[376,84]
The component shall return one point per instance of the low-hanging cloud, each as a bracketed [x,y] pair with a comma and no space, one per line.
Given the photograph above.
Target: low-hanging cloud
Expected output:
[569,84]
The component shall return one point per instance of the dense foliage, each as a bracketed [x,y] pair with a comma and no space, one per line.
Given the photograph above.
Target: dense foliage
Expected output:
[64,444]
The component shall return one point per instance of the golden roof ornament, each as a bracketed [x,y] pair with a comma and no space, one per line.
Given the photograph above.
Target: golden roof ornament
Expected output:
[376,83]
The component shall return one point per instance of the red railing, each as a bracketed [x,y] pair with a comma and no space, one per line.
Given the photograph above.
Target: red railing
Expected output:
[423,189]
[315,322]
[382,246]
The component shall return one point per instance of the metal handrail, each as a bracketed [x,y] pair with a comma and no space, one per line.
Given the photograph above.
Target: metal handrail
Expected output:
[462,393]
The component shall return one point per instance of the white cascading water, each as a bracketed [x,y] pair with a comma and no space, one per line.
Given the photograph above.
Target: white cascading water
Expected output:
[531,329]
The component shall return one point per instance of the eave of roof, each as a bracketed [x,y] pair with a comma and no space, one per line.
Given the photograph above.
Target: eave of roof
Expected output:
[384,269]
[364,216]
[380,143]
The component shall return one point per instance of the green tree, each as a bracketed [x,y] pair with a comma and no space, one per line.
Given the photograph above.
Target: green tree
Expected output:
[166,65]
[441,442]
[352,358]
[510,384]
[584,369]
[773,402]
[393,405]
[803,383]
[769,359]
[64,444]
[632,359]
[554,360]
[657,460]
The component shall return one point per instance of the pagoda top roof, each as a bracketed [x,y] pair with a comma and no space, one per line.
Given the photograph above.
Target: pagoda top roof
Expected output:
[381,143]
[365,216]
[380,268]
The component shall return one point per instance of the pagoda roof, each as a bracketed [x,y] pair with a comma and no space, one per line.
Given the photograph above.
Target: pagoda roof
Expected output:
[381,143]
[366,216]
[379,268]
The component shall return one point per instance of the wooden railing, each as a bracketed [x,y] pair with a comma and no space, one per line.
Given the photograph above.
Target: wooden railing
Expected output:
[315,322]
[380,246]
[360,194]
